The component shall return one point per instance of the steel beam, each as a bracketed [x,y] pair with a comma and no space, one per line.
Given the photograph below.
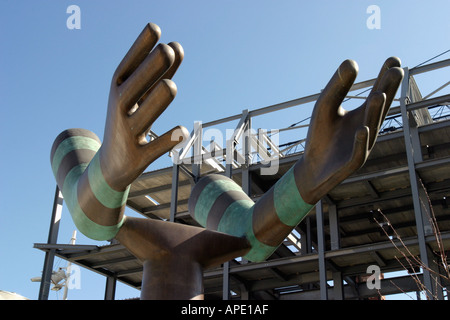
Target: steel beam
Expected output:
[430,67]
[388,286]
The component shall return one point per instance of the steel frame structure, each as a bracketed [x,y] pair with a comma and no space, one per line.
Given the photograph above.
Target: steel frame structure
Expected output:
[320,250]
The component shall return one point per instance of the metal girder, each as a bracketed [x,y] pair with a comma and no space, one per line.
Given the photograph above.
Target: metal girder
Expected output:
[78,253]
[328,255]
[52,239]
[388,286]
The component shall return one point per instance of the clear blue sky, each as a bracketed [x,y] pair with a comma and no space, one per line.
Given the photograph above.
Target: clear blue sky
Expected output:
[238,55]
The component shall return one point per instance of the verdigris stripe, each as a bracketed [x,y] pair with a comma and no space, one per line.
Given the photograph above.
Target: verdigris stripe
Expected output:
[71,133]
[70,144]
[83,223]
[107,196]
[289,205]
[236,218]
[237,221]
[209,195]
[71,159]
[259,251]
[220,206]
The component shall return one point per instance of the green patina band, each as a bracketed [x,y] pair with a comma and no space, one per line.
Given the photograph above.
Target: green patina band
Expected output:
[70,144]
[102,191]
[107,196]
[288,202]
[237,221]
[83,223]
[209,195]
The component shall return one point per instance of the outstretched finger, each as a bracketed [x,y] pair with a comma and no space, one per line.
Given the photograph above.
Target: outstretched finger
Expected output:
[373,115]
[140,49]
[391,62]
[359,152]
[153,106]
[389,84]
[179,56]
[154,66]
[163,144]
[337,88]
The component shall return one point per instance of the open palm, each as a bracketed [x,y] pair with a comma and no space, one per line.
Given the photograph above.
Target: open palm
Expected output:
[141,90]
[339,141]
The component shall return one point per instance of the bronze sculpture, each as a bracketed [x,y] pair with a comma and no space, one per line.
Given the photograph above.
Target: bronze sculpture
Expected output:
[95,177]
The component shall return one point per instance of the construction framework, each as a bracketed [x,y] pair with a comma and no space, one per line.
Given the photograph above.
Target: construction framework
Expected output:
[392,215]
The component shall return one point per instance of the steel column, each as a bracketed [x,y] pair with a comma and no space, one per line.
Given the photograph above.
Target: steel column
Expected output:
[174,191]
[321,251]
[197,150]
[334,227]
[110,289]
[308,235]
[226,265]
[247,155]
[245,124]
[413,180]
[226,281]
[338,285]
[229,158]
[52,239]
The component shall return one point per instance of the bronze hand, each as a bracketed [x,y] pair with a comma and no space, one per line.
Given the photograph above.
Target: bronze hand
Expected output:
[95,177]
[339,141]
[141,90]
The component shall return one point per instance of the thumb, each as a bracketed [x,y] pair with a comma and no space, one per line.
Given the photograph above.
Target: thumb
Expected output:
[360,150]
[163,144]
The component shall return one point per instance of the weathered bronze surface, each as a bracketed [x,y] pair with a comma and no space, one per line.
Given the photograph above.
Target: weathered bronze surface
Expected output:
[141,90]
[338,143]
[174,255]
[95,178]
